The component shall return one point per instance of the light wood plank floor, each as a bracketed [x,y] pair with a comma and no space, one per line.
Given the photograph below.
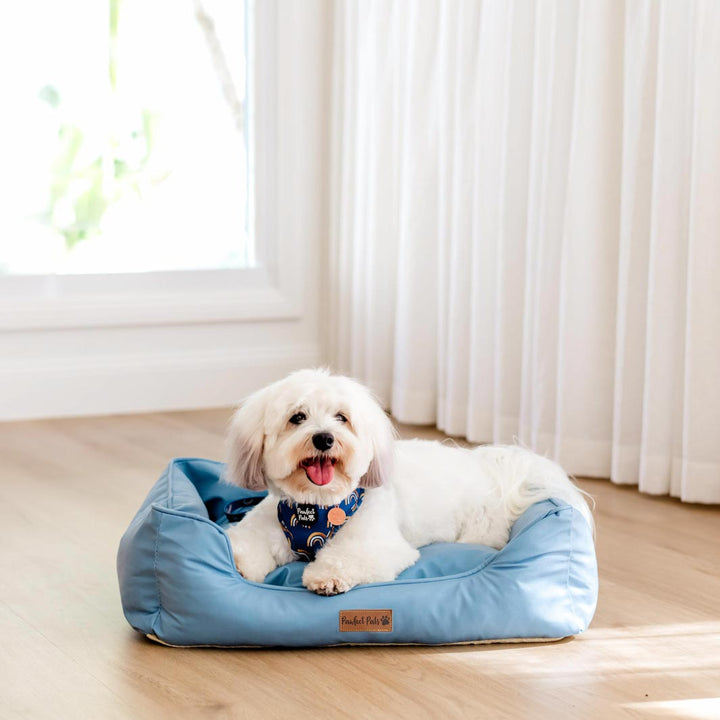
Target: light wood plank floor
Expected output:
[68,488]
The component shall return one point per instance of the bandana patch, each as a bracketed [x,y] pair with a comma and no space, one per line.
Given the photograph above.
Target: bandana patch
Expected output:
[308,527]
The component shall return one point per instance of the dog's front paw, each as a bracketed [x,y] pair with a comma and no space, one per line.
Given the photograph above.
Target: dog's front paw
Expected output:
[325,581]
[253,560]
[253,568]
[328,586]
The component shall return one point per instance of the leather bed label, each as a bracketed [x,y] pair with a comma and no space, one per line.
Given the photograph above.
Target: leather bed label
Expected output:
[366,621]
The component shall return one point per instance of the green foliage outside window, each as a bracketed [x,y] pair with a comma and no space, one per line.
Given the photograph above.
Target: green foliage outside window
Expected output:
[91,173]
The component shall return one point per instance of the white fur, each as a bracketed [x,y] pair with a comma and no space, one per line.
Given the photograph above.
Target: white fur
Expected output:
[418,492]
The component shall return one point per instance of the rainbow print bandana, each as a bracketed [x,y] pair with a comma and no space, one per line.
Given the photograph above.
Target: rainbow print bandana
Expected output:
[308,527]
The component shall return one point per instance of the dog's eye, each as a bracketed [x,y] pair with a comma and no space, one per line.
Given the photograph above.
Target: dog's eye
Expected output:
[341,418]
[298,418]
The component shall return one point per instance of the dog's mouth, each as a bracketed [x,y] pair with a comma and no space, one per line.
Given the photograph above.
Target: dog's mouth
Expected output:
[319,469]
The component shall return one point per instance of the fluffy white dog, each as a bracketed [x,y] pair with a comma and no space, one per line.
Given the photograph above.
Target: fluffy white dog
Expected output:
[327,453]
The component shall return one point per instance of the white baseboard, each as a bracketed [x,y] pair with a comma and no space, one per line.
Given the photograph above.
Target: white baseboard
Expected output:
[142,383]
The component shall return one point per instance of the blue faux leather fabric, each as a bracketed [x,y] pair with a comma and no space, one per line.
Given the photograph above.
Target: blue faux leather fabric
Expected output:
[178,582]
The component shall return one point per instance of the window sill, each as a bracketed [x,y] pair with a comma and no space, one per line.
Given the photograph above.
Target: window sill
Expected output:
[54,302]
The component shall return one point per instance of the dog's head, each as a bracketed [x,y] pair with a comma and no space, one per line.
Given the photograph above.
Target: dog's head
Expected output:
[313,437]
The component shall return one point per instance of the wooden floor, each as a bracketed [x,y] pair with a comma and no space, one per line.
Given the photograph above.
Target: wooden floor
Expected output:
[68,489]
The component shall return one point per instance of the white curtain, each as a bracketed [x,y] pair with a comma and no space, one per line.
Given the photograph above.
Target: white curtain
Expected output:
[525,230]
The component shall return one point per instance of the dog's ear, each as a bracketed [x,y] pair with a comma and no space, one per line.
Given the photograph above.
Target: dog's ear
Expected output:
[245,444]
[383,440]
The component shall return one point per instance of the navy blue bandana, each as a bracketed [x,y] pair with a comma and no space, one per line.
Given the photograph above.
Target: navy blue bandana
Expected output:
[308,527]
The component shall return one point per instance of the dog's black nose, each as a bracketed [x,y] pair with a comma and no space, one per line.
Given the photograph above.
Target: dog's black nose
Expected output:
[323,441]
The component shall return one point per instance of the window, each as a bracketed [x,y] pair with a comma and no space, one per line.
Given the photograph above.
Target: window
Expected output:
[209,317]
[126,141]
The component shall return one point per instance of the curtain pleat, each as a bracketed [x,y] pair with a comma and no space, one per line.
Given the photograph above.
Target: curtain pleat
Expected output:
[525,227]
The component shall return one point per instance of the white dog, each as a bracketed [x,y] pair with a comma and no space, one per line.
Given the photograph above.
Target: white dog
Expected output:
[361,501]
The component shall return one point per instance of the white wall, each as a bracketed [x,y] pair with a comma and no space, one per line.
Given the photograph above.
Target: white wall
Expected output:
[105,360]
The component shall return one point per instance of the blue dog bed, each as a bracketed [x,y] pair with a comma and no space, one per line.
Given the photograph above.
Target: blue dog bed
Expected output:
[179,585]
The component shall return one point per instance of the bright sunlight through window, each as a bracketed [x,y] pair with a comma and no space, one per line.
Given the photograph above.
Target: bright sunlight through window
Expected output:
[125,136]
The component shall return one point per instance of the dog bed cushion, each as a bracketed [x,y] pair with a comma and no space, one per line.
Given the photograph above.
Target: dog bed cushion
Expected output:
[179,585]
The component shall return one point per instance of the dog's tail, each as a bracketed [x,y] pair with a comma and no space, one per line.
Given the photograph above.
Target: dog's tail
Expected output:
[525,478]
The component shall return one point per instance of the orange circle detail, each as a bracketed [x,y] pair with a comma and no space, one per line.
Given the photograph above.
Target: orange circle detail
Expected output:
[337,516]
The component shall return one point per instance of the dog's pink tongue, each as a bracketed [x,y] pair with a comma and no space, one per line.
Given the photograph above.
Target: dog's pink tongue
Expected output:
[320,471]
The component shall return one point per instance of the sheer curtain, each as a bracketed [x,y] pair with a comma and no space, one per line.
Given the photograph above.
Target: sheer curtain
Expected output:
[525,230]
